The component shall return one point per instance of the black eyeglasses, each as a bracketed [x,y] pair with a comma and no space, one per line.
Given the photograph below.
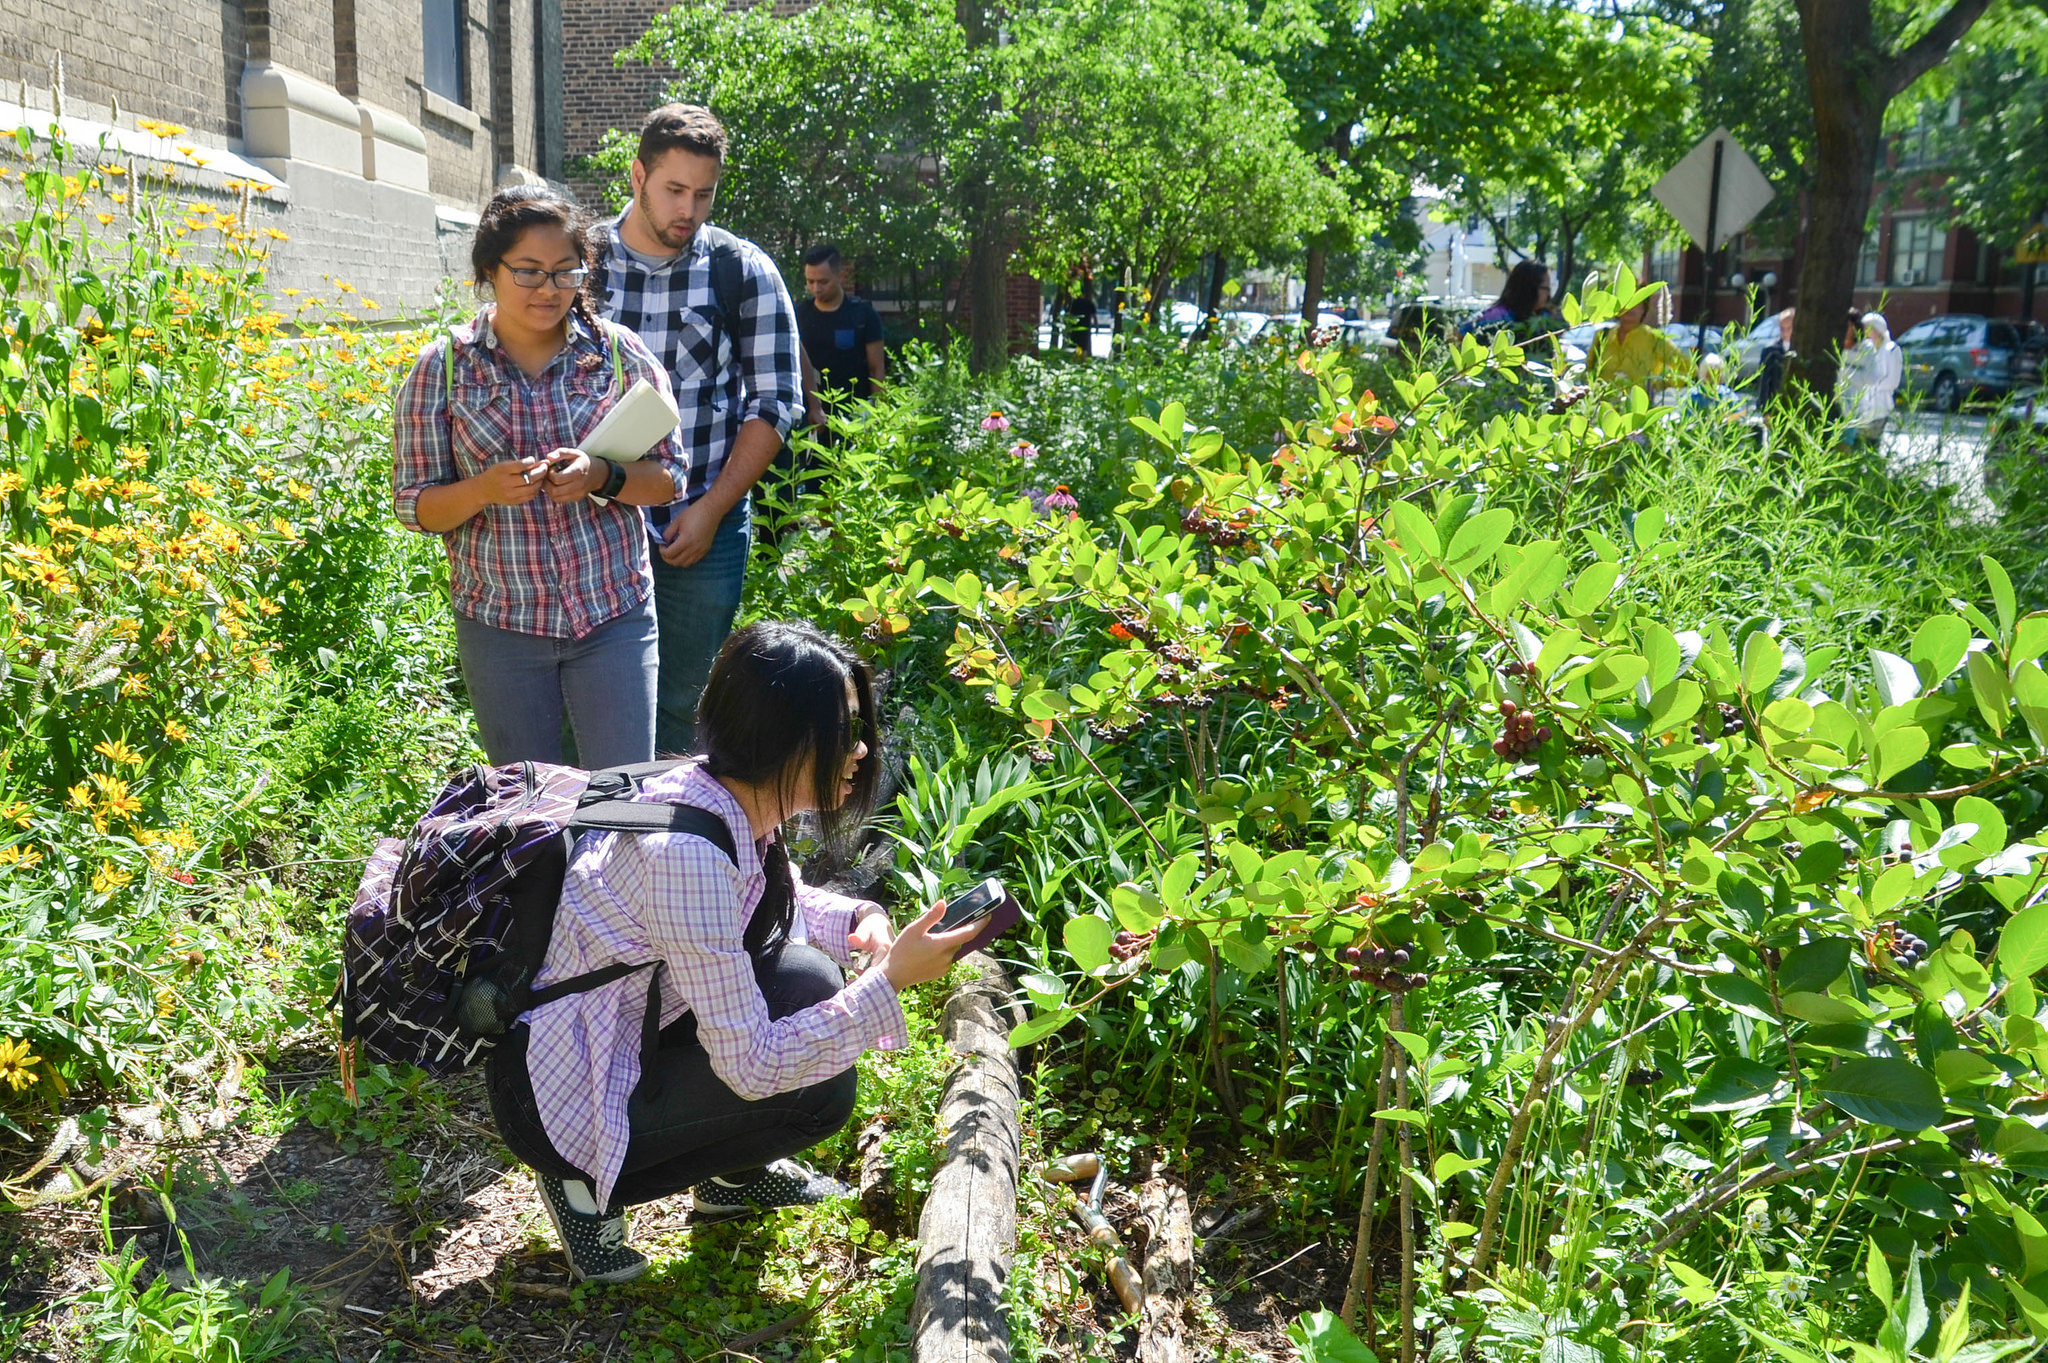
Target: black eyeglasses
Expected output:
[561,279]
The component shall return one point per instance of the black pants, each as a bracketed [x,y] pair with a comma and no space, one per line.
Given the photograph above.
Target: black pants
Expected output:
[686,1125]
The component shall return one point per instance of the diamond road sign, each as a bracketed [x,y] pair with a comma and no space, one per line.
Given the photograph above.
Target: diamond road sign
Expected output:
[1688,187]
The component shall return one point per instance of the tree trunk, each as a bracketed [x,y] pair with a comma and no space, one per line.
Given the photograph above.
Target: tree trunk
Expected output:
[1851,80]
[1212,302]
[988,270]
[1844,71]
[1312,284]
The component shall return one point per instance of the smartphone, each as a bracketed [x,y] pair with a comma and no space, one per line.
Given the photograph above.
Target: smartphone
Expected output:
[974,905]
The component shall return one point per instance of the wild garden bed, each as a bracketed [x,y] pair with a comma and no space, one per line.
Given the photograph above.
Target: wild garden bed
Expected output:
[1692,1016]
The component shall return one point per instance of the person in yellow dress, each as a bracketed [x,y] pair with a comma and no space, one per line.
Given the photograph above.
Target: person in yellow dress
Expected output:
[1636,354]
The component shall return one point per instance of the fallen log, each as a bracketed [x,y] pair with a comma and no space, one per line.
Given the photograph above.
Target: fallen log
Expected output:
[1169,1268]
[967,1233]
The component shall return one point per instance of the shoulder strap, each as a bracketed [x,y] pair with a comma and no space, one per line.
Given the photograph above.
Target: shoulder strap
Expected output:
[649,816]
[728,273]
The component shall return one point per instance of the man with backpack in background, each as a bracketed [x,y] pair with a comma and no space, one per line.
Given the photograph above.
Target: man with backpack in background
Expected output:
[714,310]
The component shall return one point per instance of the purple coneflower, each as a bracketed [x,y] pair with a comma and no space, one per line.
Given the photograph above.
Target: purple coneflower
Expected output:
[1059,499]
[1024,450]
[995,421]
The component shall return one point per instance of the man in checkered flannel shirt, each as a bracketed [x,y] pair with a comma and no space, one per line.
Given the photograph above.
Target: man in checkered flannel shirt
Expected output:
[736,384]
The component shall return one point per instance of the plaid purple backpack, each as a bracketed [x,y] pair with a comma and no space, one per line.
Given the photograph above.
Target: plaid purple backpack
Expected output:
[451,924]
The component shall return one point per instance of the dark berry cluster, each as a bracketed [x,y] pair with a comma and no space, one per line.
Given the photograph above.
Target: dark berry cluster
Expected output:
[1129,944]
[1568,396]
[1230,534]
[1518,668]
[1906,950]
[1114,733]
[1732,723]
[1383,969]
[1520,734]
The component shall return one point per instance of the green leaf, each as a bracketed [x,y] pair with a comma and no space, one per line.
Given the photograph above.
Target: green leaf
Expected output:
[1761,661]
[2030,640]
[1813,966]
[1088,938]
[1822,1008]
[1938,648]
[1878,1274]
[1885,1092]
[1450,1163]
[1742,994]
[1992,692]
[1400,1114]
[1136,907]
[1648,526]
[1414,530]
[1180,878]
[1592,587]
[1248,956]
[1479,538]
[1039,1026]
[2030,694]
[1897,680]
[1322,1338]
[967,591]
[1732,1082]
[2001,592]
[1898,750]
[2023,946]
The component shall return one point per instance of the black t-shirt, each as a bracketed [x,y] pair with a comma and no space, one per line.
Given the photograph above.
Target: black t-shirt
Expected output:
[837,342]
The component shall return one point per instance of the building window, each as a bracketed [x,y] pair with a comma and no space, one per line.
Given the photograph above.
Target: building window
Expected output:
[1916,251]
[1927,143]
[1664,262]
[441,32]
[1867,260]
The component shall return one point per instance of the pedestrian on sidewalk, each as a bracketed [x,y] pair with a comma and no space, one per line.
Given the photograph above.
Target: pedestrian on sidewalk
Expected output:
[1524,296]
[715,312]
[1636,354]
[1869,383]
[551,587]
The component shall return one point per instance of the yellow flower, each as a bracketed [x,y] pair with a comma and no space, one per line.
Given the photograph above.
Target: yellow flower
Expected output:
[19,854]
[114,796]
[137,684]
[166,1003]
[81,796]
[114,750]
[15,1063]
[200,488]
[276,235]
[284,527]
[299,490]
[19,813]
[104,218]
[10,481]
[176,732]
[259,664]
[109,878]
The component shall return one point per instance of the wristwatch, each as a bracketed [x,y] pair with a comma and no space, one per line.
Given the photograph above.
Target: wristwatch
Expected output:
[614,481]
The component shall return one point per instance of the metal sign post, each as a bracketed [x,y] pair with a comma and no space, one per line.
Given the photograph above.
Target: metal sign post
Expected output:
[1699,340]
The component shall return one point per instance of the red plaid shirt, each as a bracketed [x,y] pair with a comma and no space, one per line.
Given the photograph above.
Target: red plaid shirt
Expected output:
[549,568]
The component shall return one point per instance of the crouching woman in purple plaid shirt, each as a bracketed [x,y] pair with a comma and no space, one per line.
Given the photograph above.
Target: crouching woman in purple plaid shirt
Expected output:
[735,1049]
[547,558]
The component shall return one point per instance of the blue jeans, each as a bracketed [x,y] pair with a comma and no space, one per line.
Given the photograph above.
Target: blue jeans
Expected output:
[522,686]
[697,606]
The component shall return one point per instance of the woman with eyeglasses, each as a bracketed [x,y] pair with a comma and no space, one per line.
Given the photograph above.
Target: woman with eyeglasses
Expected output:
[547,556]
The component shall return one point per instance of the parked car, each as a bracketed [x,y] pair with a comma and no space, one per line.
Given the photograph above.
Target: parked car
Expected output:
[1687,337]
[1425,318]
[1951,357]
[1370,334]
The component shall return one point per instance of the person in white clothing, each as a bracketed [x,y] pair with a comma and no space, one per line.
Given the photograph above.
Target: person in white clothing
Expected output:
[1869,382]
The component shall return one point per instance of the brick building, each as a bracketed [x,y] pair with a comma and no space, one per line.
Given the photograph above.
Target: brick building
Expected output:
[374,129]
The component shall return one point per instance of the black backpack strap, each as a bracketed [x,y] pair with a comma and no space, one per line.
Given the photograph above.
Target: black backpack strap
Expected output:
[728,279]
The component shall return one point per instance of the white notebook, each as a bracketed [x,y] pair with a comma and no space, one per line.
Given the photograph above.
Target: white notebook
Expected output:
[635,424]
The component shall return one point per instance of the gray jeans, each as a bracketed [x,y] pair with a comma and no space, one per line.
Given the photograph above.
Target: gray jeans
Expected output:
[522,686]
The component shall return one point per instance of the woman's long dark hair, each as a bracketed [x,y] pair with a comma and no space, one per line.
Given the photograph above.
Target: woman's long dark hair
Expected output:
[777,696]
[514,209]
[1524,283]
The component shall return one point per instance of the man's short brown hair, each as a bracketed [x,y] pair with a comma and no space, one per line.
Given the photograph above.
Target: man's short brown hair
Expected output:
[685,127]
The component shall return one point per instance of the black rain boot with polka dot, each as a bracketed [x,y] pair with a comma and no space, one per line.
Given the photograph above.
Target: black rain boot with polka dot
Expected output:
[784,1183]
[594,1242]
